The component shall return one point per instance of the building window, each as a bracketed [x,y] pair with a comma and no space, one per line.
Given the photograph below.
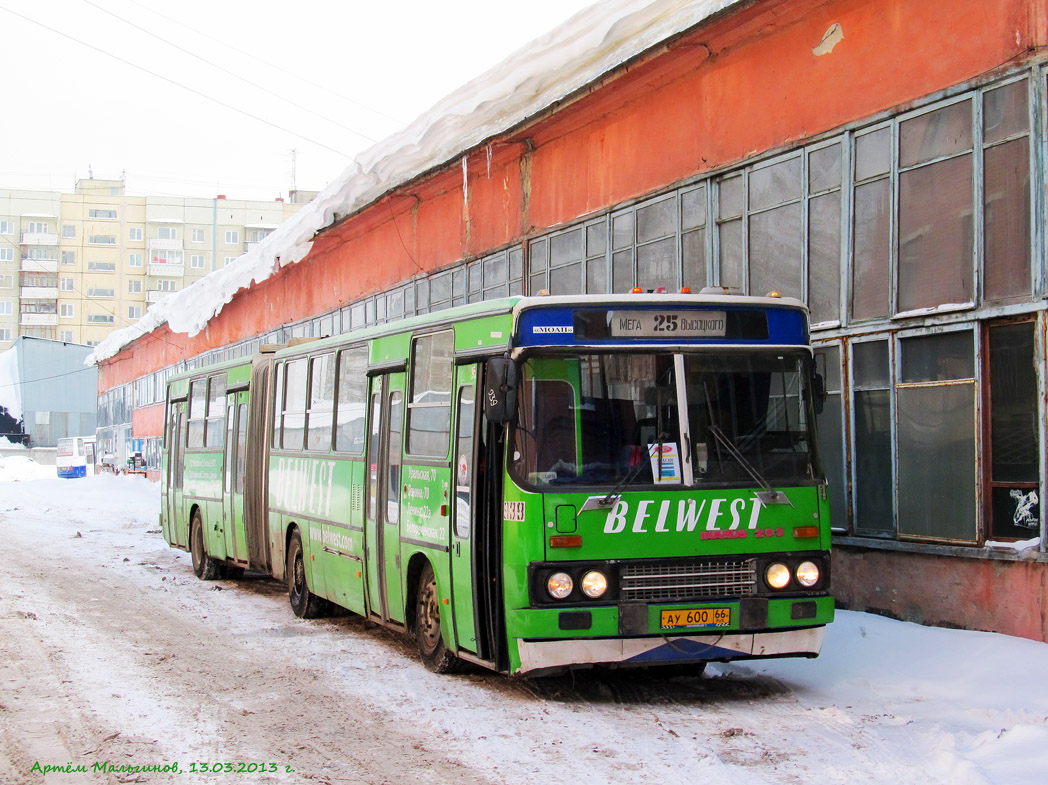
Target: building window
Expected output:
[65,335]
[42,280]
[66,310]
[39,253]
[7,254]
[7,281]
[6,308]
[196,261]
[229,260]
[5,335]
[167,257]
[166,285]
[1013,474]
[134,312]
[197,235]
[102,267]
[66,284]
[101,239]
[134,286]
[68,257]
[69,230]
[872,484]
[257,235]
[36,227]
[134,234]
[100,292]
[167,233]
[106,214]
[100,318]
[232,237]
[7,227]
[134,260]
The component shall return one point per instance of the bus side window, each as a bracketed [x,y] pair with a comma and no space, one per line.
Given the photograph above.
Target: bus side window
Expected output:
[352,399]
[197,414]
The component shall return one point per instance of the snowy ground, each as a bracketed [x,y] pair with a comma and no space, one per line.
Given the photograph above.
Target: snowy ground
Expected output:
[112,651]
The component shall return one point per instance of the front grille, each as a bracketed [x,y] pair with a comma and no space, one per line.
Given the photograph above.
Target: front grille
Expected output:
[689,580]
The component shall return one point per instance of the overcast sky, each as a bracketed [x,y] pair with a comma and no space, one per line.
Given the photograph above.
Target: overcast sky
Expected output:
[211,96]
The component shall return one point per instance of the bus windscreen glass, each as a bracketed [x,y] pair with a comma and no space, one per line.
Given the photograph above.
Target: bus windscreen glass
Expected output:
[611,419]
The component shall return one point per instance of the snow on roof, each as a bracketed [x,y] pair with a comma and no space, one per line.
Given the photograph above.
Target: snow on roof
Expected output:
[552,67]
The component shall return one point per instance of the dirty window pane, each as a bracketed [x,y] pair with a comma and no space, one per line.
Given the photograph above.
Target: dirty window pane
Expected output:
[597,276]
[935,134]
[352,398]
[695,259]
[693,208]
[775,184]
[1005,112]
[622,231]
[657,264]
[656,220]
[1007,215]
[936,434]
[596,239]
[870,364]
[566,280]
[934,358]
[824,168]
[775,251]
[294,414]
[874,507]
[873,154]
[729,192]
[869,295]
[824,257]
[321,402]
[935,234]
[731,254]
[622,271]
[566,247]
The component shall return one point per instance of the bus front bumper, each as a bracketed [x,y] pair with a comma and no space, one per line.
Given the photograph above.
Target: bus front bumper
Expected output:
[552,655]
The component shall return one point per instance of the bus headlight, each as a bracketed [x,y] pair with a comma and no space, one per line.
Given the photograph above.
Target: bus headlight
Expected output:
[807,574]
[594,584]
[777,575]
[559,585]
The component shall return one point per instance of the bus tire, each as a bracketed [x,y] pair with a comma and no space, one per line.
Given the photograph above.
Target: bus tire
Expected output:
[304,603]
[206,568]
[435,655]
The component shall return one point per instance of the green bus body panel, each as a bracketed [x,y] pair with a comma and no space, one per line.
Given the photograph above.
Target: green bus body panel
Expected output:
[489,332]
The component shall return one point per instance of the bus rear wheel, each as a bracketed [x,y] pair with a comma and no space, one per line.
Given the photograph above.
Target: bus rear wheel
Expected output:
[435,655]
[304,603]
[204,566]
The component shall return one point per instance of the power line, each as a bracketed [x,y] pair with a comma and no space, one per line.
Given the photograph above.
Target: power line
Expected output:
[227,71]
[176,83]
[274,66]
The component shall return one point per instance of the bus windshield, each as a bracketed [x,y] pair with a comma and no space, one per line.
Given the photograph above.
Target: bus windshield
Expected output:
[616,419]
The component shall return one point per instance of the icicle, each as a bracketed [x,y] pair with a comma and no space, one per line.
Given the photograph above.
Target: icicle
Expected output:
[489,160]
[465,181]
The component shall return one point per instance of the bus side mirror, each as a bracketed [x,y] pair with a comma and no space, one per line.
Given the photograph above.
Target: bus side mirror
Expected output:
[500,390]
[818,392]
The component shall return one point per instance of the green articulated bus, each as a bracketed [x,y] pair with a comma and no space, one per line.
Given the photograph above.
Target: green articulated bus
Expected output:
[528,484]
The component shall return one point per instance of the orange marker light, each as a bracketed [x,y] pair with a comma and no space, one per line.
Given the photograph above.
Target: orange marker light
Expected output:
[774,294]
[565,541]
[685,290]
[805,532]
[636,290]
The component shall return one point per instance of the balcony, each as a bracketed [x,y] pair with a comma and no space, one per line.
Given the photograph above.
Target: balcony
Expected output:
[156,244]
[39,265]
[39,320]
[39,238]
[40,292]
[166,270]
[153,296]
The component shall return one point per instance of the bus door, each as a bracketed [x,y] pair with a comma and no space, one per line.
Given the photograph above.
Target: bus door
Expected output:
[175,466]
[382,522]
[466,457]
[235,470]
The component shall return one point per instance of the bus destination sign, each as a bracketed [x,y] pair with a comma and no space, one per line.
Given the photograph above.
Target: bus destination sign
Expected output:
[667,324]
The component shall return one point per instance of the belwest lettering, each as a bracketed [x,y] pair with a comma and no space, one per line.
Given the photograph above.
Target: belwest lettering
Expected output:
[304,485]
[715,514]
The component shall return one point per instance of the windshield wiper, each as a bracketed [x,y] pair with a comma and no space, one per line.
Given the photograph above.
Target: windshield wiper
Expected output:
[612,496]
[767,495]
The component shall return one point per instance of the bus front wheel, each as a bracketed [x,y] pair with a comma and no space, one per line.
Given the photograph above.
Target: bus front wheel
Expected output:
[435,655]
[304,603]
[204,566]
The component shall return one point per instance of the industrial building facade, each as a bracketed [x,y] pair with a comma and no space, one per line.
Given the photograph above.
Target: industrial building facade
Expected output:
[882,160]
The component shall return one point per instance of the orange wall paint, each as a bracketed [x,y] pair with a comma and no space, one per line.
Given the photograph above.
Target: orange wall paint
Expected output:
[741,85]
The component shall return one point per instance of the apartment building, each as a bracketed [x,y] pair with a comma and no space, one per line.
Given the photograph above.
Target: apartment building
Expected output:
[74,267]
